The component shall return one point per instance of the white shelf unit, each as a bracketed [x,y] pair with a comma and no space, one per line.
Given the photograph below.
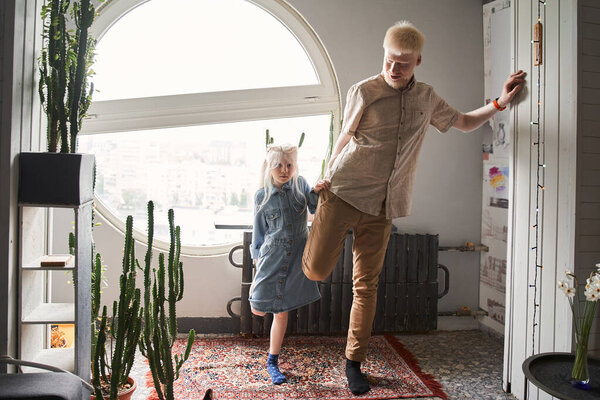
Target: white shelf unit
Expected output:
[37,312]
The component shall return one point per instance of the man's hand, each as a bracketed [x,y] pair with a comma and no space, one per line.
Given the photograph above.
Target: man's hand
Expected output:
[322,185]
[513,84]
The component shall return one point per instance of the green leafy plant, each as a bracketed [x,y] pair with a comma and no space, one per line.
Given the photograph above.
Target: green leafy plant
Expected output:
[65,65]
[160,319]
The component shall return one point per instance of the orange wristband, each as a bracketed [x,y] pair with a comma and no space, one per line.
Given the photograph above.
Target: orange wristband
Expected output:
[498,105]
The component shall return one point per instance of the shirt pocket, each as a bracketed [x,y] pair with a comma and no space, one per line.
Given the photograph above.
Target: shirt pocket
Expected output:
[415,122]
[273,219]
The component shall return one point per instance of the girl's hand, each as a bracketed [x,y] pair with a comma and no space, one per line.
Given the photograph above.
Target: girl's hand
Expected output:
[322,185]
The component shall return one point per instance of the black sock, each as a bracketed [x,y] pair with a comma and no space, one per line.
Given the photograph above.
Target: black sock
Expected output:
[357,382]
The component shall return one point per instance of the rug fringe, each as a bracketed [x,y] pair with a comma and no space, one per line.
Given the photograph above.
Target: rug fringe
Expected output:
[429,380]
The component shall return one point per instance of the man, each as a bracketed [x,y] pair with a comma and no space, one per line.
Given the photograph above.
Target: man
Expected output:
[371,175]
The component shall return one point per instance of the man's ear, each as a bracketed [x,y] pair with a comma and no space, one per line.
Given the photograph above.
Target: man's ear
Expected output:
[419,60]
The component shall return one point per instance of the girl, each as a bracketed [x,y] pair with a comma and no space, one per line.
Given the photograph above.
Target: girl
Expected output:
[278,240]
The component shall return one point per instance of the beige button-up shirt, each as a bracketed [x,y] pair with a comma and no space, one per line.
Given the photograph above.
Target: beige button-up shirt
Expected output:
[377,166]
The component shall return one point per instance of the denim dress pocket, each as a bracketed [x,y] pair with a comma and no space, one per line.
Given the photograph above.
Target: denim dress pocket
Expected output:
[274,220]
[299,206]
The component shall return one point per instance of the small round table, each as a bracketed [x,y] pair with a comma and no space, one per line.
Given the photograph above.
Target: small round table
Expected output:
[551,372]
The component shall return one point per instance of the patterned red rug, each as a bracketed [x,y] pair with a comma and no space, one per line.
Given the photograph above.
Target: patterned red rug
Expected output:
[314,366]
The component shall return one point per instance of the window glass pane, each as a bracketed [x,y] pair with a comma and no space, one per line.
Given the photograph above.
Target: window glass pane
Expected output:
[207,173]
[166,47]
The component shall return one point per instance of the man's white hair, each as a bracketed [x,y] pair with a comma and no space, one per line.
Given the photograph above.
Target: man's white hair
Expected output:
[403,36]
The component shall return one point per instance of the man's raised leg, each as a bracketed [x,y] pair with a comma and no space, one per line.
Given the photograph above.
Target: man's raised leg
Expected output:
[327,235]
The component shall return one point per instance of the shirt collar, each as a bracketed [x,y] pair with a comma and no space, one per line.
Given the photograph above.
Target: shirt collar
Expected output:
[287,185]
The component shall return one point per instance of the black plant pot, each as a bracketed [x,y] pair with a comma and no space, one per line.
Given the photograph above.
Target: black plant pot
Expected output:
[59,179]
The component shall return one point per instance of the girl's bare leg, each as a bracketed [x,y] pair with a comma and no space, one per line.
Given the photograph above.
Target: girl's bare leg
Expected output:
[278,329]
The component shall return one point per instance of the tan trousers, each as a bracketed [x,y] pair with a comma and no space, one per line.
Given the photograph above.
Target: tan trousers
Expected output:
[325,243]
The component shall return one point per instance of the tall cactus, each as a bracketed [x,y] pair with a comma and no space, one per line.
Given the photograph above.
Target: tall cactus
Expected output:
[65,64]
[124,327]
[160,322]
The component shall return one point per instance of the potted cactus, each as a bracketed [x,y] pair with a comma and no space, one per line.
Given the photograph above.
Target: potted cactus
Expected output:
[63,178]
[112,360]
[160,320]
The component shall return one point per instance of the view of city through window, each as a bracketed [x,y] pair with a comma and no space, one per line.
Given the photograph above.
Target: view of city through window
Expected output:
[208,174]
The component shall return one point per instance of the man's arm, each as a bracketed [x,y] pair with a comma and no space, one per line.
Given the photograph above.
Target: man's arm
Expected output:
[341,142]
[474,119]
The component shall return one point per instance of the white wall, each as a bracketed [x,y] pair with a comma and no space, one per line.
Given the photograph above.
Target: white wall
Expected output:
[447,193]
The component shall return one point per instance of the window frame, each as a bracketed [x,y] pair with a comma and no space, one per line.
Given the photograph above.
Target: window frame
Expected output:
[138,114]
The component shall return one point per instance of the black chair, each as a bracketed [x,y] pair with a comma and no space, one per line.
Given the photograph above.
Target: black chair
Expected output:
[57,385]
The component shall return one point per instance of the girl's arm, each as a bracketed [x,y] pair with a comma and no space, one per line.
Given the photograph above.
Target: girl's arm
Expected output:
[312,198]
[259,227]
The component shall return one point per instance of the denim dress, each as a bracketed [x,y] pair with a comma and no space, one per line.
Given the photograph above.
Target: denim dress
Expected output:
[278,238]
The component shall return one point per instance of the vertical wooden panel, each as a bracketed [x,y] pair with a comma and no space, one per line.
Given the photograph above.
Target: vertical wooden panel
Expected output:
[432,241]
[402,258]
[325,306]
[411,306]
[412,261]
[389,271]
[431,291]
[302,320]
[267,322]
[246,325]
[292,326]
[423,258]
[313,317]
[401,323]
[421,307]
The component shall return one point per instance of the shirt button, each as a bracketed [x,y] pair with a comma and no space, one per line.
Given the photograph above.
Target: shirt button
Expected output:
[290,241]
[281,281]
[284,268]
[289,254]
[279,296]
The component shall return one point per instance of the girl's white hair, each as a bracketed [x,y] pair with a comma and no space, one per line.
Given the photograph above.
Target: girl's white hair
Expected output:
[275,154]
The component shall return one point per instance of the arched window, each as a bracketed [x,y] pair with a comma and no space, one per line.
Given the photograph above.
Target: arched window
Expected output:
[186,91]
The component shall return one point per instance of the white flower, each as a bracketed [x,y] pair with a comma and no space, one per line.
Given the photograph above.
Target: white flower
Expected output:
[568,273]
[570,292]
[591,296]
[598,265]
[562,285]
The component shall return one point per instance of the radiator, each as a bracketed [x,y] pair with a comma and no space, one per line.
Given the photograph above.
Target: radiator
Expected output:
[406,299]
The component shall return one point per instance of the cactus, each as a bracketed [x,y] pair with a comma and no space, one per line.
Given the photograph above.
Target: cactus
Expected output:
[65,64]
[301,140]
[325,161]
[160,322]
[124,327]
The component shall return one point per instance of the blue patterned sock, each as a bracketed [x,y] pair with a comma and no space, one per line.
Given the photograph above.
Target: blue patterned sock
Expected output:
[276,376]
